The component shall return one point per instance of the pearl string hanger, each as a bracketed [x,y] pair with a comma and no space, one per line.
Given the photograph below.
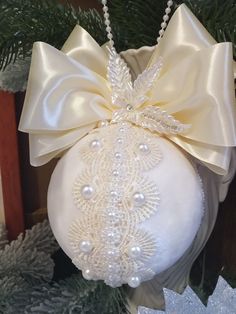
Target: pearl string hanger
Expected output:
[109,30]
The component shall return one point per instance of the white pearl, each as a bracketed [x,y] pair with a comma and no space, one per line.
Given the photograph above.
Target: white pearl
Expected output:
[87,274]
[135,251]
[169,3]
[165,17]
[109,36]
[115,173]
[113,280]
[143,148]
[113,217]
[107,23]
[106,15]
[167,10]
[120,141]
[134,281]
[113,253]
[114,268]
[163,24]
[113,194]
[161,32]
[86,246]
[87,192]
[104,2]
[103,123]
[95,145]
[113,236]
[138,198]
[118,155]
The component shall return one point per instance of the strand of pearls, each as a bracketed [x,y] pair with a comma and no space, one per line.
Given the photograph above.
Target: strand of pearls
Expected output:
[165,19]
[109,30]
[107,23]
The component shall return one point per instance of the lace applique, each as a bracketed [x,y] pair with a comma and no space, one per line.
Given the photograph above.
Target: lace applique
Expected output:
[113,196]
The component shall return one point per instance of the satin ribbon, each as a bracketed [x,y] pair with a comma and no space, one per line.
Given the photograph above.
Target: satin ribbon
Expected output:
[68,92]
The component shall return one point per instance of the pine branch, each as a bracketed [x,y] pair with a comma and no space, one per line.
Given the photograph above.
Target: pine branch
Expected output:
[73,295]
[28,257]
[41,238]
[22,22]
[135,23]
[139,22]
[14,78]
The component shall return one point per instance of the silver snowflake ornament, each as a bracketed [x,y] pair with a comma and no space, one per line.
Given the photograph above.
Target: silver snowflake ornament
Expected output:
[222,301]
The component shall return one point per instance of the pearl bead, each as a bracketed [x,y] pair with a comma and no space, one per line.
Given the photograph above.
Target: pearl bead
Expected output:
[113,217]
[129,107]
[114,268]
[115,173]
[143,148]
[87,192]
[113,280]
[95,145]
[161,32]
[107,23]
[86,246]
[169,3]
[113,194]
[138,198]
[106,15]
[104,2]
[87,274]
[163,24]
[113,253]
[109,36]
[135,251]
[120,141]
[134,281]
[103,123]
[113,236]
[167,10]
[118,155]
[165,17]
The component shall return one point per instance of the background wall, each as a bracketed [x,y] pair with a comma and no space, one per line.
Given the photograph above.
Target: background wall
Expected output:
[2,216]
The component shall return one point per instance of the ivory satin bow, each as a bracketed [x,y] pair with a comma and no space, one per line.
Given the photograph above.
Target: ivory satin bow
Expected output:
[68,92]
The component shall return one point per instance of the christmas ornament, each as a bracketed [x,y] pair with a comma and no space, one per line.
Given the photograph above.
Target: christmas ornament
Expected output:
[124,202]
[223,300]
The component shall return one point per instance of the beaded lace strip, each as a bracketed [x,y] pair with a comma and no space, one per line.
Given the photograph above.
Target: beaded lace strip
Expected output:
[106,238]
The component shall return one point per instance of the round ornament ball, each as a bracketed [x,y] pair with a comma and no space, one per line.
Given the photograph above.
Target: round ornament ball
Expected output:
[124,204]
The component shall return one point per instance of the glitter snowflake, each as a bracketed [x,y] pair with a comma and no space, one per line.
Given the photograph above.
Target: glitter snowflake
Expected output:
[222,301]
